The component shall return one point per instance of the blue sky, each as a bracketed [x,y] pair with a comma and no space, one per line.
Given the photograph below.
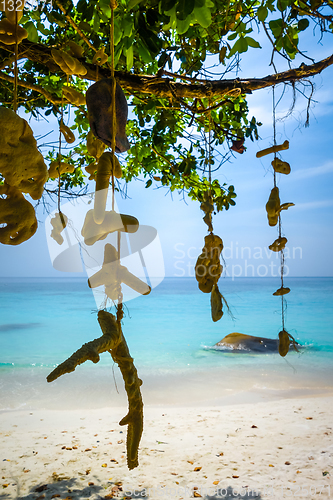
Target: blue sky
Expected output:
[244,228]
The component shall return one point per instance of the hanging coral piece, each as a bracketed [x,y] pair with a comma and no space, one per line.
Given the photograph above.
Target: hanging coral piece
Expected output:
[75,49]
[104,172]
[285,339]
[282,291]
[208,268]
[17,217]
[21,164]
[92,232]
[278,244]
[100,57]
[95,147]
[69,65]
[67,133]
[58,222]
[9,32]
[216,304]
[281,167]
[99,103]
[113,274]
[74,96]
[58,167]
[273,207]
[273,149]
[114,342]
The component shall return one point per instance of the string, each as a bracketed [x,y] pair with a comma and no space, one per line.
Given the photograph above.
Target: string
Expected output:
[210,153]
[59,154]
[15,61]
[113,5]
[279,219]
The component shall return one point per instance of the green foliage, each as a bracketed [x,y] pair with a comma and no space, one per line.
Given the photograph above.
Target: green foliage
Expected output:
[175,39]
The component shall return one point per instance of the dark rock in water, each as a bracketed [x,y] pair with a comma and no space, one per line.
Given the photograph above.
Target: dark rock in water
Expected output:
[240,342]
[99,99]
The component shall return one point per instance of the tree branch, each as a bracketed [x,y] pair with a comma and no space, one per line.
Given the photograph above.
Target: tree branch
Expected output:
[54,99]
[167,88]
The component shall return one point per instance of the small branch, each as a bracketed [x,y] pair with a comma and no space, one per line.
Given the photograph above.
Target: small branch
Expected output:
[74,25]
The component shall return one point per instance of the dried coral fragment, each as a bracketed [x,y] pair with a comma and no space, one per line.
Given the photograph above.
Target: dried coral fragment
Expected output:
[21,164]
[76,50]
[278,244]
[69,65]
[281,167]
[67,133]
[58,222]
[103,174]
[273,207]
[208,268]
[282,291]
[273,149]
[284,343]
[113,274]
[95,147]
[74,96]
[17,217]
[216,304]
[99,103]
[92,232]
[58,167]
[91,170]
[100,57]
[8,32]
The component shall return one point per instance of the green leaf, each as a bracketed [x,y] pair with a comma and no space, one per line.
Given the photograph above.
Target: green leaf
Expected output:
[303,24]
[133,3]
[239,46]
[32,31]
[184,8]
[262,13]
[252,43]
[203,16]
[283,4]
[232,36]
[149,183]
[276,26]
[183,26]
[129,58]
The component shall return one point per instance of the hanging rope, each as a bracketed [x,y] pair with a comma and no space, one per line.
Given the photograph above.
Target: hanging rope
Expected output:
[279,219]
[15,61]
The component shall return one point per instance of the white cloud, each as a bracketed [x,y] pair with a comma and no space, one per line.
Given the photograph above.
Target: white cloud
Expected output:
[306,173]
[311,205]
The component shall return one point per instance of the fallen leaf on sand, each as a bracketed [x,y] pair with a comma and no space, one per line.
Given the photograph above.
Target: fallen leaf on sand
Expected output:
[309,418]
[74,447]
[87,449]
[174,474]
[120,442]
[287,463]
[5,485]
[113,460]
[235,477]
[216,482]
[220,454]
[196,494]
[298,472]
[190,462]
[196,469]
[91,483]
[68,448]
[26,470]
[104,465]
[325,473]
[270,465]
[41,488]
[254,427]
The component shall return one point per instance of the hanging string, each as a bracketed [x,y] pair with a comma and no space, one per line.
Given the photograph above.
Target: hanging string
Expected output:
[279,219]
[15,61]
[59,154]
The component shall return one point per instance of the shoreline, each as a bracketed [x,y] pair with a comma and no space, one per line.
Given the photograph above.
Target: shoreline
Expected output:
[278,448]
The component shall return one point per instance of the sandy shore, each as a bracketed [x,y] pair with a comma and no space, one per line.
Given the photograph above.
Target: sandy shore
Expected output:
[275,449]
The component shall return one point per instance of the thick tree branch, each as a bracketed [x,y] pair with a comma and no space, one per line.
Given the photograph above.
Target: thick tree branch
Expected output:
[54,99]
[168,88]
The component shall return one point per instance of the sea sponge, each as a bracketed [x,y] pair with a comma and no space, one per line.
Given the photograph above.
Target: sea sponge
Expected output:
[99,103]
[67,133]
[58,167]
[17,217]
[7,32]
[282,167]
[100,57]
[273,207]
[95,147]
[104,172]
[91,169]
[74,96]
[92,232]
[58,222]
[76,50]
[282,291]
[208,268]
[69,65]
[216,304]
[207,207]
[278,244]
[21,164]
[112,274]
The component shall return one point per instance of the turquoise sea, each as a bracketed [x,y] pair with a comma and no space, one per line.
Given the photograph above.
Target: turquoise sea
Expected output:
[170,335]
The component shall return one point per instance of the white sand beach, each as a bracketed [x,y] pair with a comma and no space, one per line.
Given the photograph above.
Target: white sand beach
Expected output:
[272,449]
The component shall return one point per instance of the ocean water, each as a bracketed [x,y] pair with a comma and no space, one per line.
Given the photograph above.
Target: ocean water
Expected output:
[171,337]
